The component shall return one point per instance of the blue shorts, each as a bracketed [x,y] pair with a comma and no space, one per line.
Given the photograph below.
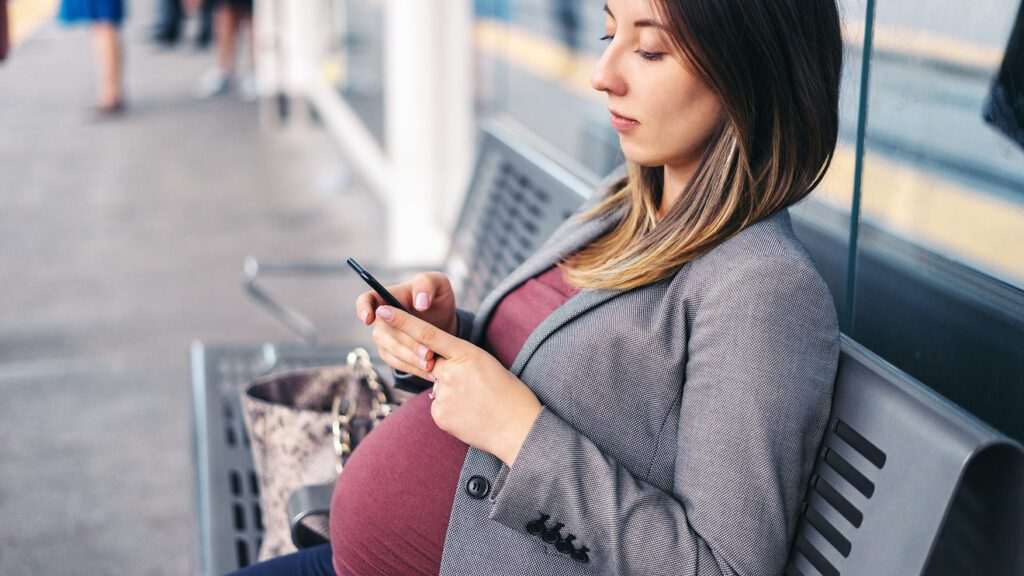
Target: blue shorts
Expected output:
[72,11]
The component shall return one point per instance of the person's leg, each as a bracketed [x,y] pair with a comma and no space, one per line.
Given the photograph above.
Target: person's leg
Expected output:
[108,53]
[5,41]
[226,32]
[219,80]
[168,26]
[315,561]
[205,35]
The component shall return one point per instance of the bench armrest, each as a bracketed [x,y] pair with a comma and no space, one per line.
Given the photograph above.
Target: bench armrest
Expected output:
[308,511]
[295,321]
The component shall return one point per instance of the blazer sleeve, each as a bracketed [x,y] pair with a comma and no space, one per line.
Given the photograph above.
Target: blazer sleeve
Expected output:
[464,323]
[763,346]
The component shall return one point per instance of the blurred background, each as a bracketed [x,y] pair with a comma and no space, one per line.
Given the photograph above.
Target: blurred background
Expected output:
[348,128]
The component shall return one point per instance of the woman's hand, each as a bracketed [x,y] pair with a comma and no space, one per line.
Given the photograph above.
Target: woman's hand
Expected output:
[476,399]
[429,294]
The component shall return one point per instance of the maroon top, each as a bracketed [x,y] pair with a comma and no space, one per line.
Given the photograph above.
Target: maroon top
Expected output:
[389,513]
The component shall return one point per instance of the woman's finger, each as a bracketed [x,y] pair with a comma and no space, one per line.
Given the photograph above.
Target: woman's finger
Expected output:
[398,364]
[402,346]
[434,338]
[420,349]
[366,303]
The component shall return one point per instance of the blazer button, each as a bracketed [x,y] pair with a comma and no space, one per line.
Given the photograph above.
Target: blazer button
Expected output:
[478,487]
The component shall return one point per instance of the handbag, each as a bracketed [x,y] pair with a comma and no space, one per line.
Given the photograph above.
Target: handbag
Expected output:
[303,424]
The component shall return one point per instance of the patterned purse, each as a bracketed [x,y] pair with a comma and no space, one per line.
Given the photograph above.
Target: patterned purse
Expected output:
[303,425]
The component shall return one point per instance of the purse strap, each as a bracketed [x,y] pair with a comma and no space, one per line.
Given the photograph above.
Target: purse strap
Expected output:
[359,363]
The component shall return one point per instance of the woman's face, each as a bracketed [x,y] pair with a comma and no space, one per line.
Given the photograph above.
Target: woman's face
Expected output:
[670,113]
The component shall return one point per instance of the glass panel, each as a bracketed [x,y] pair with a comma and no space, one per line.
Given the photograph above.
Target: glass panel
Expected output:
[535,58]
[534,63]
[939,265]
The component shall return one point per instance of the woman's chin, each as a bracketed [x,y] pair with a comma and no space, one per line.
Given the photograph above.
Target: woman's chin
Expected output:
[640,156]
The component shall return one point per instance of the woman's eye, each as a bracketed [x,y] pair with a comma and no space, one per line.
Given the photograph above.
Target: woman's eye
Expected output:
[652,56]
[606,37]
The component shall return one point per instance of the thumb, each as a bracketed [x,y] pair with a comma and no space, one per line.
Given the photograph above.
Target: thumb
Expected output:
[425,289]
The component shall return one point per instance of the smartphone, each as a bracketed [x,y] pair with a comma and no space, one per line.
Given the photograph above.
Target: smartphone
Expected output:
[403,380]
[377,286]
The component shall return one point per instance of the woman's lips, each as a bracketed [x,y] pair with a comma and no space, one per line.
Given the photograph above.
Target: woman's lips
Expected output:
[622,123]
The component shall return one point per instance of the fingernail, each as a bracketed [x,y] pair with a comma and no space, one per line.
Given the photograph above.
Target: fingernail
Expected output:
[421,351]
[422,302]
[423,363]
[385,313]
[363,315]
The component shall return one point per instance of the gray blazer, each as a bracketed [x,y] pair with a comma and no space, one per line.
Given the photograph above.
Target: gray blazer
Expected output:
[681,419]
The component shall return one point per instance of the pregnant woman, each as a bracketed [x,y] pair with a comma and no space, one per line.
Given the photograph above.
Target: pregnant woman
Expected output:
[647,393]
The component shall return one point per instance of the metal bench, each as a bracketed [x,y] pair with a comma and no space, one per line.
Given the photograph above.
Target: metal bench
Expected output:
[907,482]
[520,191]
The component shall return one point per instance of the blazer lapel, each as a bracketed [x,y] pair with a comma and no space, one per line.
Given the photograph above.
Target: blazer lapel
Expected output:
[568,239]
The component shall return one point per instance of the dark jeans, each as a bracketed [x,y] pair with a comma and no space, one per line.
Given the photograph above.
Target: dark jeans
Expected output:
[315,561]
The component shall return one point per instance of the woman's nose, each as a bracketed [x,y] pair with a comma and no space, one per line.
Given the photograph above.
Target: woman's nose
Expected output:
[605,77]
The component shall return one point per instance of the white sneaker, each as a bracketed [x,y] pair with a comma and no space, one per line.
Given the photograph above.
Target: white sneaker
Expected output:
[215,82]
[247,88]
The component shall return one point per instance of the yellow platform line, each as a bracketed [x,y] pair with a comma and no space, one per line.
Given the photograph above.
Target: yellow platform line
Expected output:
[982,230]
[926,45]
[25,16]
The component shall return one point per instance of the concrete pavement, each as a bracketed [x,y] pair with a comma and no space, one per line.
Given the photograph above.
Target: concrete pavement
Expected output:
[120,242]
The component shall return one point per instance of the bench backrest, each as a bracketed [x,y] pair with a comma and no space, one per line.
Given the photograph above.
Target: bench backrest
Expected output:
[908,483]
[520,192]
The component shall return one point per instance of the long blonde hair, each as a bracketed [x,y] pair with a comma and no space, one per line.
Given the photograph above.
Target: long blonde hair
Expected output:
[776,67]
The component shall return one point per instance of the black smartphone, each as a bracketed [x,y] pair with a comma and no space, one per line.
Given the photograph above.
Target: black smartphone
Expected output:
[377,286]
[403,380]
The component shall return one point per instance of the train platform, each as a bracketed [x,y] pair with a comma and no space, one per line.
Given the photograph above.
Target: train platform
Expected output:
[120,242]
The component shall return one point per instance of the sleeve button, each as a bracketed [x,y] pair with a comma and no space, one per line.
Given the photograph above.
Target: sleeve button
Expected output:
[565,544]
[535,526]
[581,555]
[551,534]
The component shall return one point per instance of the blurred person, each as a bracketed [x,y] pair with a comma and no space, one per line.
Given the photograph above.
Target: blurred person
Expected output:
[4,31]
[167,29]
[204,36]
[231,19]
[650,395]
[171,15]
[105,17]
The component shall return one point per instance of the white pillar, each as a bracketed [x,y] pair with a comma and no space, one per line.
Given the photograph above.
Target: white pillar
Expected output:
[428,119]
[290,42]
[269,58]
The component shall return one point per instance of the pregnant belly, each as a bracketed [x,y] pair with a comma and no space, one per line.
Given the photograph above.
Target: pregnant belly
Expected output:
[390,509]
